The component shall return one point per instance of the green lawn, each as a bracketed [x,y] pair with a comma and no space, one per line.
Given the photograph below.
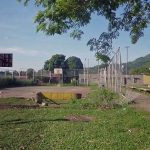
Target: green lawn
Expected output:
[16,101]
[45,129]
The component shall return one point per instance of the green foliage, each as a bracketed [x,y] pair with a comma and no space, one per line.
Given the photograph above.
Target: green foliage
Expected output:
[104,58]
[60,16]
[103,95]
[139,71]
[56,61]
[74,63]
[30,73]
[15,73]
[8,82]
[98,97]
[76,34]
[73,82]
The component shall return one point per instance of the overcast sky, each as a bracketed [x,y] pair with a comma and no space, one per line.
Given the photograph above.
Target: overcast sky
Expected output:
[30,49]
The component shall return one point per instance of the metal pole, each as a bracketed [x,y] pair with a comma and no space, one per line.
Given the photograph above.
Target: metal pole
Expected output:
[127,66]
[105,77]
[88,72]
[126,69]
[109,84]
[12,74]
[74,74]
[116,73]
[84,75]
[19,74]
[5,74]
[33,75]
[127,47]
[26,74]
[84,70]
[41,74]
[98,74]
[50,75]
[112,75]
[62,77]
[120,69]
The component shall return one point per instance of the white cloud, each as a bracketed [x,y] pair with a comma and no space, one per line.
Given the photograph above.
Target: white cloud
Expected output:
[25,58]
[21,51]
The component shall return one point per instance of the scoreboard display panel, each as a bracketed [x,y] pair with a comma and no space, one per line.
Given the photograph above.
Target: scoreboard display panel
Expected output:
[6,59]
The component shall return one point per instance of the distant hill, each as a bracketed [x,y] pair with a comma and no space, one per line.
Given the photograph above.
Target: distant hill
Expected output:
[139,65]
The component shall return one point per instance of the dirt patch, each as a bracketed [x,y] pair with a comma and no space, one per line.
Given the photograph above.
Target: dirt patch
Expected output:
[142,102]
[79,118]
[30,92]
[9,106]
[6,106]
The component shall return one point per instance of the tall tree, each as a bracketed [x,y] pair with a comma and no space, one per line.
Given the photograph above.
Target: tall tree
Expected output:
[60,16]
[74,63]
[104,58]
[56,61]
[30,73]
[15,73]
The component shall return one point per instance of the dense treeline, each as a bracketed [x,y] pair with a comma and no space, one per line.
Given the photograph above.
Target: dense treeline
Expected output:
[8,82]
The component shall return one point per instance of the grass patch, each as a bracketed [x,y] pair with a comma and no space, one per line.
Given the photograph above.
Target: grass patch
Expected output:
[98,97]
[46,129]
[16,101]
[42,129]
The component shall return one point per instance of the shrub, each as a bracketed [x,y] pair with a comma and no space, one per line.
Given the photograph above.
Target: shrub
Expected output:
[8,82]
[99,97]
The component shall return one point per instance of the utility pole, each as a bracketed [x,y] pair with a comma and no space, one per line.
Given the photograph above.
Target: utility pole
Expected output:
[127,47]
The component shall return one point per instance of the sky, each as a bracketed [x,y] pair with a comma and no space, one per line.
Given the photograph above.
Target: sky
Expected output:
[31,49]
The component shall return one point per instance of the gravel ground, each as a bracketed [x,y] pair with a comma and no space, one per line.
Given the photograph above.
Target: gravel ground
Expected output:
[139,100]
[30,92]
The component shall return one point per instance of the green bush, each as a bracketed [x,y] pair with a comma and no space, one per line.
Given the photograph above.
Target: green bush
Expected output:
[97,98]
[8,82]
[102,95]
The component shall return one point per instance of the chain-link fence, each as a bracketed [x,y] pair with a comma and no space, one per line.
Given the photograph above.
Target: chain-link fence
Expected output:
[42,75]
[111,76]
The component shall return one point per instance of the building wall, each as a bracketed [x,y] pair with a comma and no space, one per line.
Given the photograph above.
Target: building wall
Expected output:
[146,79]
[96,79]
[132,79]
[92,78]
